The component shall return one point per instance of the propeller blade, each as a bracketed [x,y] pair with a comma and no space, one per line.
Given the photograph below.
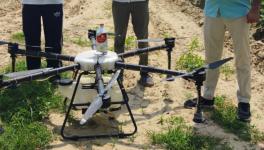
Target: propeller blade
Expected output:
[150,40]
[25,73]
[4,42]
[182,38]
[35,46]
[218,63]
[156,40]
[213,65]
[112,34]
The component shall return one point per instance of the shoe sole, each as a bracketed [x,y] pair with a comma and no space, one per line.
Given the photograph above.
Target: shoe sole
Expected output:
[203,106]
[244,119]
[114,109]
[145,85]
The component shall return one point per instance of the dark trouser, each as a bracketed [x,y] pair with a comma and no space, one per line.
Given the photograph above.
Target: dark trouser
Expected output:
[52,16]
[140,19]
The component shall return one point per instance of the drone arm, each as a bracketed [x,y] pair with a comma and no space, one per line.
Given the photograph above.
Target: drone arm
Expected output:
[99,79]
[41,54]
[140,51]
[38,75]
[147,69]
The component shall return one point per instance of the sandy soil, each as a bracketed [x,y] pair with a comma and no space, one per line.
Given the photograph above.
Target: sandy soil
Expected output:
[168,17]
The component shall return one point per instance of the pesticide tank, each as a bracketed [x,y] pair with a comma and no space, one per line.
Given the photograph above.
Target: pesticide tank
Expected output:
[86,93]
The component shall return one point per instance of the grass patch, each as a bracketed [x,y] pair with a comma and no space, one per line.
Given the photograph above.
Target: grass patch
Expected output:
[20,66]
[111,48]
[189,60]
[261,22]
[22,111]
[130,42]
[227,71]
[182,137]
[83,42]
[225,115]
[28,137]
[166,34]
[194,45]
[18,37]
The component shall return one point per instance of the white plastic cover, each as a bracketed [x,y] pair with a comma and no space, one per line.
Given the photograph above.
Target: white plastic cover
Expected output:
[89,59]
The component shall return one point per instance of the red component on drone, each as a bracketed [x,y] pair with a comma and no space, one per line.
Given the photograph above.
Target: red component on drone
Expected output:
[101,38]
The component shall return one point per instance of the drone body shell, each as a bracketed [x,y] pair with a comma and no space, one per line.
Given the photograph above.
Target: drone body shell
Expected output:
[90,58]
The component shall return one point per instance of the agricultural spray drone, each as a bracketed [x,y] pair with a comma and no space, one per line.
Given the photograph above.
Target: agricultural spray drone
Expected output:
[96,62]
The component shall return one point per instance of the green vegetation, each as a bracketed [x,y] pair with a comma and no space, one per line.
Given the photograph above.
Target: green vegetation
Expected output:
[83,42]
[225,115]
[18,37]
[25,137]
[20,66]
[182,137]
[130,42]
[194,45]
[258,35]
[189,60]
[261,23]
[227,71]
[165,34]
[22,110]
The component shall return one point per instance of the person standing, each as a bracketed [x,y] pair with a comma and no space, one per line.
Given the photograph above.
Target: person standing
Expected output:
[51,14]
[139,12]
[235,16]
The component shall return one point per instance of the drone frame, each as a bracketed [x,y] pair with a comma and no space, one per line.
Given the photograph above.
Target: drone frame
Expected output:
[198,76]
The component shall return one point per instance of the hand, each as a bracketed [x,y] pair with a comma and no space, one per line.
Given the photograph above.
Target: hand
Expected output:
[253,16]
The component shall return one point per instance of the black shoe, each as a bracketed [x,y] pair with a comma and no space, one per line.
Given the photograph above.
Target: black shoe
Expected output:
[243,112]
[146,80]
[206,103]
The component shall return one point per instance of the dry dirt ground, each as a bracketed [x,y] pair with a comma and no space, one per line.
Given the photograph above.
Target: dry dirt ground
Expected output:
[168,17]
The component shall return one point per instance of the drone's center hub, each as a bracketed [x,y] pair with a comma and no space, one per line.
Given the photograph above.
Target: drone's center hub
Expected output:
[89,59]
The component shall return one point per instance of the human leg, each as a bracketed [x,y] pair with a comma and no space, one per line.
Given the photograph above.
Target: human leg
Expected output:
[140,21]
[31,19]
[53,22]
[239,29]
[214,31]
[121,13]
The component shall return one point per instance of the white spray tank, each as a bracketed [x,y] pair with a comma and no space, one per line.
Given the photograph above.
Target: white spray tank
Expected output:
[101,39]
[97,103]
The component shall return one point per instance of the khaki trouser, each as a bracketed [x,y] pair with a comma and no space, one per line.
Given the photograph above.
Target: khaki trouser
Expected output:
[214,32]
[140,19]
